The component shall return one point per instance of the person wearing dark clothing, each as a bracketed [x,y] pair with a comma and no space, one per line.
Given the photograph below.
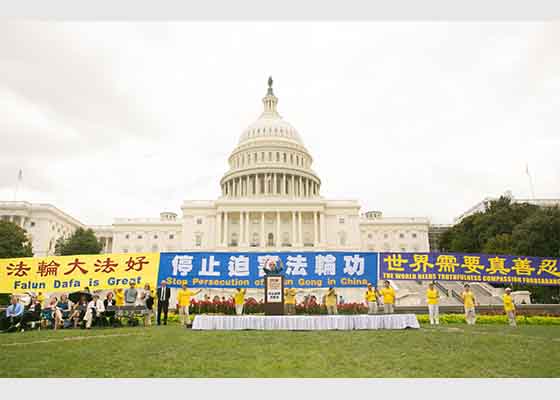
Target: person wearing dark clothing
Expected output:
[32,313]
[163,295]
[110,302]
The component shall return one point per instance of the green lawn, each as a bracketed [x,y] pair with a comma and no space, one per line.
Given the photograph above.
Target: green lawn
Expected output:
[170,351]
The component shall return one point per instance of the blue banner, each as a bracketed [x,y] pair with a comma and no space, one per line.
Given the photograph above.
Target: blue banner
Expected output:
[470,267]
[245,270]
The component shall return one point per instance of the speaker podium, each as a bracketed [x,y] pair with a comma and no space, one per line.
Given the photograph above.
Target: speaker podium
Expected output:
[274,294]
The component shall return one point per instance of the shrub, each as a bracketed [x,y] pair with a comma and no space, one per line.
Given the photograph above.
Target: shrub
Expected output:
[492,319]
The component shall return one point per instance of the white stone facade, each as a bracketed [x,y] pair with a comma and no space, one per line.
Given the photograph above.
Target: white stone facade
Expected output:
[44,223]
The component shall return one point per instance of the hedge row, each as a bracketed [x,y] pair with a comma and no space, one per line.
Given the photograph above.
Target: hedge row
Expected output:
[492,319]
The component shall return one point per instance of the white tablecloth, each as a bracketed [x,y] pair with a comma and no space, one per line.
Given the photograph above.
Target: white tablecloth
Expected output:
[391,321]
[305,322]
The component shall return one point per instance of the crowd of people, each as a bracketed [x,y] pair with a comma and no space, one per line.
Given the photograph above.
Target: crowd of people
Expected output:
[89,308]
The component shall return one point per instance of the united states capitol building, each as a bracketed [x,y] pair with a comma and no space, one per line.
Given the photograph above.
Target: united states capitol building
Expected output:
[270,201]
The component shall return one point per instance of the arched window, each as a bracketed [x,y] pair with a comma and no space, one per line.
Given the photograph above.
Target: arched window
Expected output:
[277,157]
[270,241]
[284,157]
[233,239]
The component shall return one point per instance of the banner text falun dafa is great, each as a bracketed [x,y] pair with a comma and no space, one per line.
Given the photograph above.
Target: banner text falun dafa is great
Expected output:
[505,269]
[74,273]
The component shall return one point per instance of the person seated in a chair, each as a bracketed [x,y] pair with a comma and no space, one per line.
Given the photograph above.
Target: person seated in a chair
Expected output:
[79,311]
[64,305]
[94,310]
[55,313]
[110,302]
[32,313]
[12,319]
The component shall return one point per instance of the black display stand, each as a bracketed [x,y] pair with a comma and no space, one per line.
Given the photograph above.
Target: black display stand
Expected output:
[274,294]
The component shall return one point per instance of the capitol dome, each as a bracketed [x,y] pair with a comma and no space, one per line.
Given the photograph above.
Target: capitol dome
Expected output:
[270,123]
[270,159]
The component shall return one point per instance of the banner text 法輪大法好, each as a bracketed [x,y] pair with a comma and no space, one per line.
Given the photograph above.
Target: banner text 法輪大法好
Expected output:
[470,267]
[304,269]
[74,273]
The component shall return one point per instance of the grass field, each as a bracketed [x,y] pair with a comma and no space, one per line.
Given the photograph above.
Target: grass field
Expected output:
[171,351]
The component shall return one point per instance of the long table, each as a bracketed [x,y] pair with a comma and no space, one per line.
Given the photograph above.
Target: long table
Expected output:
[305,322]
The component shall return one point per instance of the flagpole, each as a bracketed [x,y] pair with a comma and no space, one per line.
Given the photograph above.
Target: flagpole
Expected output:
[530,181]
[20,175]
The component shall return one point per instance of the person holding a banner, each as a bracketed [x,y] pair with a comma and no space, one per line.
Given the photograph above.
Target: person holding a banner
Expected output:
[371,299]
[331,300]
[432,296]
[239,300]
[389,295]
[184,301]
[469,302]
[509,307]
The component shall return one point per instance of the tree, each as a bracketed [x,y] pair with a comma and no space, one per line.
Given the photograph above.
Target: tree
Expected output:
[80,242]
[14,241]
[506,228]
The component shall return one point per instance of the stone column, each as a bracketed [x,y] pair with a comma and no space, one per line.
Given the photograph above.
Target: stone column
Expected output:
[293,229]
[246,227]
[218,228]
[263,243]
[300,228]
[226,241]
[278,243]
[315,230]
[257,184]
[323,236]
[275,188]
[241,225]
[283,191]
[293,186]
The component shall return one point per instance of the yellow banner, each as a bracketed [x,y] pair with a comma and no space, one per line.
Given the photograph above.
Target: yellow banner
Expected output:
[74,273]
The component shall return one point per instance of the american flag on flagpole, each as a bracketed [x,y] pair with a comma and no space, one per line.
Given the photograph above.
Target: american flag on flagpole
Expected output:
[20,175]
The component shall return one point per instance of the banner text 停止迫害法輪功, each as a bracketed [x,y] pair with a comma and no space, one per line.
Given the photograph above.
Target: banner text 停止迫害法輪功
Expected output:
[74,273]
[465,267]
[300,269]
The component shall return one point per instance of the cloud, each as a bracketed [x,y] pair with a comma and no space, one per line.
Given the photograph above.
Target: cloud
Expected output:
[413,119]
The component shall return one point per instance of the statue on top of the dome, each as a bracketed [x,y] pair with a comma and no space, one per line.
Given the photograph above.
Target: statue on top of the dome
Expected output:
[270,81]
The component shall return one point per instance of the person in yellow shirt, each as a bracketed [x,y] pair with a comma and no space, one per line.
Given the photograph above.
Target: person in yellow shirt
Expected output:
[389,296]
[184,301]
[239,299]
[41,298]
[330,301]
[509,307]
[371,299]
[469,302]
[432,296]
[290,301]
[119,297]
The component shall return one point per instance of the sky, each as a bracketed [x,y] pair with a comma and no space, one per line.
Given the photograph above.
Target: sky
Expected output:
[113,119]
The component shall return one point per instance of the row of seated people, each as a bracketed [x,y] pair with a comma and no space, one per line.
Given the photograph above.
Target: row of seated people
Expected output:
[60,313]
